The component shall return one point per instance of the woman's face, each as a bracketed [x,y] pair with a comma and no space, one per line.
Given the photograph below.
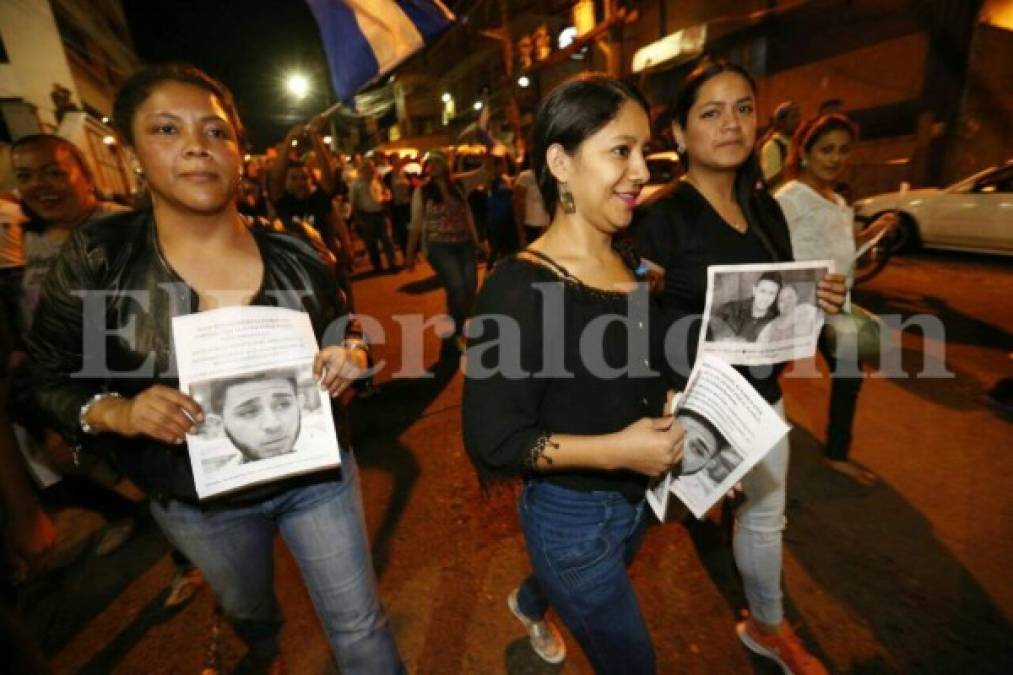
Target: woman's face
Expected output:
[52,183]
[826,160]
[262,418]
[187,148]
[787,299]
[720,129]
[608,170]
[764,294]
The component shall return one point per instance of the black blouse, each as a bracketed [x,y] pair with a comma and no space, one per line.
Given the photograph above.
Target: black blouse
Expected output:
[549,354]
[684,234]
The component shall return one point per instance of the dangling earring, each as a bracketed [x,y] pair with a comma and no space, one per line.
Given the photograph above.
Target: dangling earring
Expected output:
[138,171]
[681,149]
[566,199]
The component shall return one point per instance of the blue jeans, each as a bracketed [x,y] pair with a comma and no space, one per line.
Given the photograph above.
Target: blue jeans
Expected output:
[580,544]
[455,265]
[324,528]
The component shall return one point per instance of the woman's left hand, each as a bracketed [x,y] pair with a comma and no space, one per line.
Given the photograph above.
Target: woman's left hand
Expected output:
[831,292]
[337,367]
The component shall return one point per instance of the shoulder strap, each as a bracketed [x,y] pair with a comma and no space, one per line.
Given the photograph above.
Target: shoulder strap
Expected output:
[552,263]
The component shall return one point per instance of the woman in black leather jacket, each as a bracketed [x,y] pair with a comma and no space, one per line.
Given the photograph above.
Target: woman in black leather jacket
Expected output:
[102,348]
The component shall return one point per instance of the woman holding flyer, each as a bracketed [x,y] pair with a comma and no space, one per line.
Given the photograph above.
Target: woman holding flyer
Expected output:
[191,252]
[717,215]
[584,427]
[822,225]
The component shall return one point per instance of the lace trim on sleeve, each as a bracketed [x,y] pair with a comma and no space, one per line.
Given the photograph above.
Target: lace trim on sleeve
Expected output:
[543,443]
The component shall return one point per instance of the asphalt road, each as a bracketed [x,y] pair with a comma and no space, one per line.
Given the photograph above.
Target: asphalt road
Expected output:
[912,575]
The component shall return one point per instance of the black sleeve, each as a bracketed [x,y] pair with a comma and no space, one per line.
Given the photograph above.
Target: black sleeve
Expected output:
[654,234]
[501,398]
[55,343]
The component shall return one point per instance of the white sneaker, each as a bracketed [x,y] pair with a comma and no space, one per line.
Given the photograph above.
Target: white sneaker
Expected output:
[544,636]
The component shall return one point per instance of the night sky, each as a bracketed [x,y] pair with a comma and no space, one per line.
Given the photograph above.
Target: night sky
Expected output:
[250,45]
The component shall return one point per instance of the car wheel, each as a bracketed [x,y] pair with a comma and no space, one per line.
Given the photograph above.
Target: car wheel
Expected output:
[904,238]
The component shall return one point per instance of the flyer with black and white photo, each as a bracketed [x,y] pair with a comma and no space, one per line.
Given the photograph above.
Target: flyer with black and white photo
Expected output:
[265,416]
[729,428]
[763,313]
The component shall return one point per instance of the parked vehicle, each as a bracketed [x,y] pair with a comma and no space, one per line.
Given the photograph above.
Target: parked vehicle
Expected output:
[974,214]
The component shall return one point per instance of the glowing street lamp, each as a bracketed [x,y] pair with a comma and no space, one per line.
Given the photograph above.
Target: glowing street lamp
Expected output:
[446,98]
[477,105]
[523,82]
[298,85]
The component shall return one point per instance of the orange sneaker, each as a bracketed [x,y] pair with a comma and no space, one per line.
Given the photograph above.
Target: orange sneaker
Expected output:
[784,647]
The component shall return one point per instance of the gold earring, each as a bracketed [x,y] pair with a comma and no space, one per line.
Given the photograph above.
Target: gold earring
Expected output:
[566,199]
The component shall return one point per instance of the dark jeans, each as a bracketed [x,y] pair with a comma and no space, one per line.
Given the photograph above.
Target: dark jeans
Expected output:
[580,544]
[374,234]
[455,265]
[401,215]
[845,382]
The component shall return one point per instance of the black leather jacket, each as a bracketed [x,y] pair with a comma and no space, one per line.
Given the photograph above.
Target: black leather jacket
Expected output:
[130,320]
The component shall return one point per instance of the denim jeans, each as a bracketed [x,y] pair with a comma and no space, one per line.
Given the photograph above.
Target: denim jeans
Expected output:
[455,265]
[759,529]
[324,528]
[580,544]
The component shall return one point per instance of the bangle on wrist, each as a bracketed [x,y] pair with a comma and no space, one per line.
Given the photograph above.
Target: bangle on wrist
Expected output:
[86,408]
[353,343]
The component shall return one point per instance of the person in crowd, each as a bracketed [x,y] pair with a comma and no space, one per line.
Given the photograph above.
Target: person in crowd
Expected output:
[776,143]
[716,215]
[400,203]
[183,127]
[58,192]
[742,320]
[369,198]
[443,228]
[12,266]
[58,195]
[794,318]
[585,445]
[528,206]
[27,535]
[822,226]
[503,233]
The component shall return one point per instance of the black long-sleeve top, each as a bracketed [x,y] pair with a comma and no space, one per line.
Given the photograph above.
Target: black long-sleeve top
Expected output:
[526,377]
[685,235]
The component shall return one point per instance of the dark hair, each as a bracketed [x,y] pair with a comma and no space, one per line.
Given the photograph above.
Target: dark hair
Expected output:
[809,133]
[220,388]
[770,276]
[59,141]
[138,87]
[571,113]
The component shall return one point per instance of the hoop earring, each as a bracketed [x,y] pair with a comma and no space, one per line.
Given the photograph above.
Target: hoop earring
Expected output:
[566,199]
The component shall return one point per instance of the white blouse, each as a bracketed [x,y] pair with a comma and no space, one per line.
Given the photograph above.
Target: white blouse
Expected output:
[819,228]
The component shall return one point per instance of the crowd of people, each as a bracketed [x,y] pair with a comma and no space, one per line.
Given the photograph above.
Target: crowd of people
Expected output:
[569,216]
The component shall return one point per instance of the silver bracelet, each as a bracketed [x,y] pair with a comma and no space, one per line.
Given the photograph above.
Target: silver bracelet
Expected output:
[101,396]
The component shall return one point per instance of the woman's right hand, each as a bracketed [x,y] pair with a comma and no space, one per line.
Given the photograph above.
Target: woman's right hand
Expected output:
[651,445]
[159,412]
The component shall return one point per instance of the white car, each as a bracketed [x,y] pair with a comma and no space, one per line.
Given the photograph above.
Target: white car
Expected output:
[975,214]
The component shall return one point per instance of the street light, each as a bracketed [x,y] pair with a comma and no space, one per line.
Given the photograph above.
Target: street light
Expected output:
[477,105]
[446,98]
[523,82]
[298,85]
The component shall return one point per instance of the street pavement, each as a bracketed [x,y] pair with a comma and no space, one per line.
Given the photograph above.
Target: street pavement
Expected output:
[910,576]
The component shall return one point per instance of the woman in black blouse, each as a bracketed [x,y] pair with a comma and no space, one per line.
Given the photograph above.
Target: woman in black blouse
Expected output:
[559,384]
[717,215]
